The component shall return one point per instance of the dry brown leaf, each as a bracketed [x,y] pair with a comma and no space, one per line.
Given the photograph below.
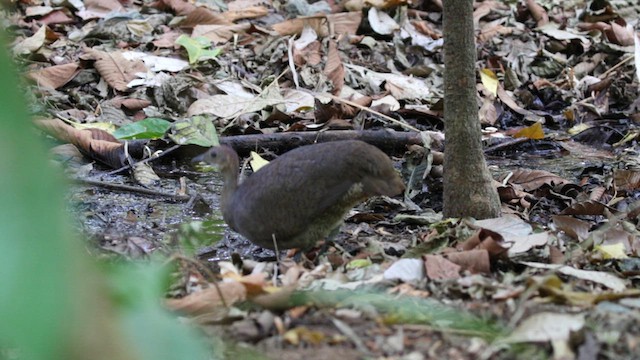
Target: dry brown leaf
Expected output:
[244,4]
[220,33]
[135,104]
[166,40]
[425,27]
[106,151]
[103,5]
[485,239]
[619,35]
[522,244]
[556,256]
[341,23]
[587,26]
[95,144]
[56,17]
[55,76]
[346,23]
[586,208]
[334,69]
[115,69]
[35,41]
[255,284]
[483,9]
[492,30]
[35,11]
[309,55]
[626,180]
[204,16]
[56,128]
[295,26]
[508,100]
[531,180]
[615,235]
[474,261]
[510,192]
[99,8]
[538,12]
[487,113]
[341,124]
[437,267]
[209,300]
[575,228]
[180,7]
[246,13]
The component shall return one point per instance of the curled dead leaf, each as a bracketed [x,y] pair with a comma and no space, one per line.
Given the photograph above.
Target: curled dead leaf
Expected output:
[55,76]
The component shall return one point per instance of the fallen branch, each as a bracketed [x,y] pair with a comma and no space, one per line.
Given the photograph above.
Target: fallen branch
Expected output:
[390,142]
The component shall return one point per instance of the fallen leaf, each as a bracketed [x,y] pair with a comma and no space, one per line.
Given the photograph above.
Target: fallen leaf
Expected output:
[381,22]
[613,251]
[439,268]
[55,76]
[257,161]
[489,80]
[609,280]
[534,132]
[474,261]
[212,299]
[546,326]
[575,228]
[115,68]
[406,270]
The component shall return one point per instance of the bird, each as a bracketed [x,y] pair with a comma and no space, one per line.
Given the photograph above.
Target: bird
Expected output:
[303,195]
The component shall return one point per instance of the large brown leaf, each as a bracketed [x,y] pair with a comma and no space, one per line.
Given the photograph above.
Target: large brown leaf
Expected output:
[531,180]
[115,69]
[95,144]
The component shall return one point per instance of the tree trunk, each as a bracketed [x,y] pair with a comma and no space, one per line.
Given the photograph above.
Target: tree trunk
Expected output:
[468,188]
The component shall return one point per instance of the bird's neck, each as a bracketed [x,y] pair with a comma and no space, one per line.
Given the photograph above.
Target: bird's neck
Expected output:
[229,181]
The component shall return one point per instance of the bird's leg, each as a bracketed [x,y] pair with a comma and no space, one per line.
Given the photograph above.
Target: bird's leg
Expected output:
[275,247]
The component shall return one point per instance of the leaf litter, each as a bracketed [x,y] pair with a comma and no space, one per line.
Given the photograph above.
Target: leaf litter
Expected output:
[558,95]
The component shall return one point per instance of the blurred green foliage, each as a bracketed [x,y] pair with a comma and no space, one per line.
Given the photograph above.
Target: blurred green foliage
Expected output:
[55,303]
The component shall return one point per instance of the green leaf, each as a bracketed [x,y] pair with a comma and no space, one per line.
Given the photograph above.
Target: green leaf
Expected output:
[157,334]
[198,130]
[197,48]
[149,128]
[36,249]
[194,235]
[52,304]
[403,310]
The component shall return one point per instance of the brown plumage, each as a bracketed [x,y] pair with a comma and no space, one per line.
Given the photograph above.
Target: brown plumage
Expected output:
[303,195]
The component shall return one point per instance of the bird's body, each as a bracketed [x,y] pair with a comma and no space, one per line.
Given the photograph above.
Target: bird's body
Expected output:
[303,195]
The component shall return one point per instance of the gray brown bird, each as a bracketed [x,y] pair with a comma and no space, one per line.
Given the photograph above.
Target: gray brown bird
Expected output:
[303,195]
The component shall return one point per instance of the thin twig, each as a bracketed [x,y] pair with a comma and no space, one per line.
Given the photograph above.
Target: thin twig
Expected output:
[616,66]
[149,159]
[133,189]
[369,110]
